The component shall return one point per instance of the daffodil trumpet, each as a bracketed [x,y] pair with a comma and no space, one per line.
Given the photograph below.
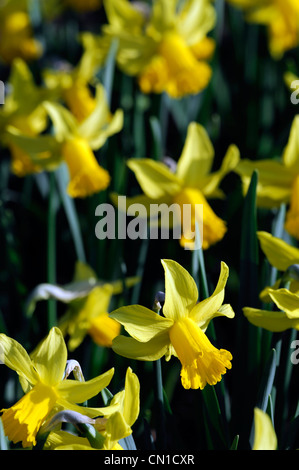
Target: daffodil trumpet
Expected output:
[181,329]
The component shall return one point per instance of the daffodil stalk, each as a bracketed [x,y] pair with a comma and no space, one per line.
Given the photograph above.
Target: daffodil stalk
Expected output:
[51,261]
[159,394]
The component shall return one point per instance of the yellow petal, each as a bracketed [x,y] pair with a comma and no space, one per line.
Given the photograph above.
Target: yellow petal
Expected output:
[181,292]
[264,433]
[195,20]
[286,301]
[152,350]
[291,151]
[279,253]
[271,321]
[50,357]
[209,308]
[140,322]
[131,400]
[74,391]
[14,356]
[155,179]
[292,216]
[197,156]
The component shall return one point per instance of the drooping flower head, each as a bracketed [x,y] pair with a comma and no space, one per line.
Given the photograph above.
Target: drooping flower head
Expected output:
[166,47]
[45,389]
[180,331]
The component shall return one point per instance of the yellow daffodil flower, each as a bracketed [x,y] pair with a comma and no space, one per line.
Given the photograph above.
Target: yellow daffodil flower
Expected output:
[26,115]
[191,183]
[89,314]
[278,180]
[113,428]
[281,17]
[284,258]
[74,143]
[180,331]
[72,85]
[264,434]
[46,391]
[17,39]
[88,300]
[165,47]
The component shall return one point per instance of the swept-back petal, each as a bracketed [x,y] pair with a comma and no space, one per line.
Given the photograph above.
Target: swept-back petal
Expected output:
[286,301]
[140,322]
[14,356]
[49,358]
[197,156]
[279,253]
[155,179]
[78,392]
[264,433]
[181,292]
[275,180]
[291,151]
[271,321]
[195,20]
[207,309]
[131,398]
[150,351]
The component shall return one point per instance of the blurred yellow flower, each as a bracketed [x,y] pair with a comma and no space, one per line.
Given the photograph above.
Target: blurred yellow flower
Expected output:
[73,142]
[166,47]
[281,17]
[278,180]
[17,39]
[26,115]
[284,293]
[191,183]
[122,413]
[180,331]
[46,392]
[264,433]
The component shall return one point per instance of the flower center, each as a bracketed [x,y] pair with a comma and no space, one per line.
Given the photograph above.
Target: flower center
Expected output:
[292,217]
[22,421]
[202,363]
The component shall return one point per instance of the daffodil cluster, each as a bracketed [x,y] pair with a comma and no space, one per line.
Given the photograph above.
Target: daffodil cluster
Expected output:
[133,102]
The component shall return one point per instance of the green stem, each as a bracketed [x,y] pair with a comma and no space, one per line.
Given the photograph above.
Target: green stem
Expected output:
[160,413]
[51,249]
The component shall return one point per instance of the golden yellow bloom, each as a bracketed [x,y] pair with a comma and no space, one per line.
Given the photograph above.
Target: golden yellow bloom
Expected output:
[264,434]
[165,47]
[180,331]
[278,180]
[41,377]
[86,176]
[74,143]
[281,17]
[190,184]
[16,33]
